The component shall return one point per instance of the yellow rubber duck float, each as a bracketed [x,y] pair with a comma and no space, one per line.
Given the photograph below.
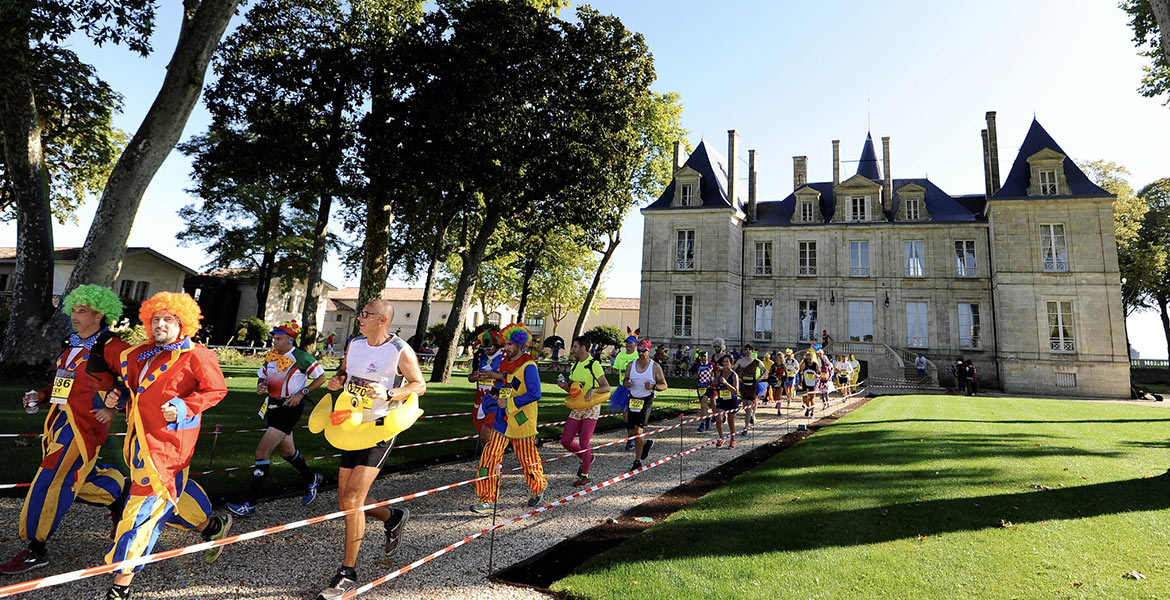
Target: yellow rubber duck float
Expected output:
[342,422]
[576,398]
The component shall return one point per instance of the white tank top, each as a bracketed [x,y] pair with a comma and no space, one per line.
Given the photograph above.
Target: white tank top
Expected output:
[366,364]
[638,380]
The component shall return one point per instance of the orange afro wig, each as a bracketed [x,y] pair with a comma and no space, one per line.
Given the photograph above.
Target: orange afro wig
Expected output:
[179,304]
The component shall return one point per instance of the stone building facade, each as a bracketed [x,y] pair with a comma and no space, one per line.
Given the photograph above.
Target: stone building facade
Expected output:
[1022,279]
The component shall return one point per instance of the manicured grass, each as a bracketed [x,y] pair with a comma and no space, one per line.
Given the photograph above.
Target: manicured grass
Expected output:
[910,497]
[238,411]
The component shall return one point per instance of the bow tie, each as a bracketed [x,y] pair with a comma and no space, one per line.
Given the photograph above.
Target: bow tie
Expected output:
[76,341]
[282,362]
[175,346]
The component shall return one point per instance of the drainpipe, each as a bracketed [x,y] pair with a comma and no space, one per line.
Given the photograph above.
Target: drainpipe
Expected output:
[995,315]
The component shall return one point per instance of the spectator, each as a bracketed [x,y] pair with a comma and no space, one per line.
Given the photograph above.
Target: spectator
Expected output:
[960,369]
[973,379]
[920,365]
[825,337]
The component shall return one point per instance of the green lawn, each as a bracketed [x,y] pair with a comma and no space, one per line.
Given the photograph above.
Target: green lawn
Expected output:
[924,497]
[238,411]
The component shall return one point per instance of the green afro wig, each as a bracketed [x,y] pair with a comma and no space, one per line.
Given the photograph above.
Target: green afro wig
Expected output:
[103,300]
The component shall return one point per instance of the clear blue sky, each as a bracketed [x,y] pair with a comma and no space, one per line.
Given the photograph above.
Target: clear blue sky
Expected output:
[791,78]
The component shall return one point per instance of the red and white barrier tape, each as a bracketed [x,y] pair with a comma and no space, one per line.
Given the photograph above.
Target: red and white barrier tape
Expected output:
[8,486]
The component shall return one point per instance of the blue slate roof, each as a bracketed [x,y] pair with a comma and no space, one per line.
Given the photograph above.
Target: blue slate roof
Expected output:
[942,207]
[1018,179]
[867,166]
[712,168]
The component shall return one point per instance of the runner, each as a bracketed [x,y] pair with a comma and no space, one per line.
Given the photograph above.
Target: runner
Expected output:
[703,371]
[643,378]
[825,381]
[748,368]
[381,370]
[173,381]
[769,376]
[791,367]
[855,370]
[725,384]
[809,372]
[513,411]
[587,378]
[284,381]
[844,374]
[488,358]
[622,360]
[75,428]
[719,349]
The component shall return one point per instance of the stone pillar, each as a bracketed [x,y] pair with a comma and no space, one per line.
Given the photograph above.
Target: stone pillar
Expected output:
[888,188]
[732,151]
[752,185]
[799,171]
[836,162]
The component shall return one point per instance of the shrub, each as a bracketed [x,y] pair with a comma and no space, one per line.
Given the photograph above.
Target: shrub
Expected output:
[131,335]
[252,332]
[606,335]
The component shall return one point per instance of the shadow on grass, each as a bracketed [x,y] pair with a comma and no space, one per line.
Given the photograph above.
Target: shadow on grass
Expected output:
[1013,421]
[781,529]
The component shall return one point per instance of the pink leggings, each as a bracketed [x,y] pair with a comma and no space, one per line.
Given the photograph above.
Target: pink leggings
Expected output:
[585,428]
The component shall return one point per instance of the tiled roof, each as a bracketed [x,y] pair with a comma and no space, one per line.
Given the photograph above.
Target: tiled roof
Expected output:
[942,207]
[400,294]
[620,304]
[867,165]
[70,254]
[712,168]
[1016,184]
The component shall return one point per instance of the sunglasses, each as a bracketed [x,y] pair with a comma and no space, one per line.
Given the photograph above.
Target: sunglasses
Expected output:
[365,314]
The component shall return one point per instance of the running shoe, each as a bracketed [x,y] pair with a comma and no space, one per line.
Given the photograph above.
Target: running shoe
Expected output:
[582,480]
[344,581]
[637,465]
[646,449]
[225,524]
[752,419]
[311,494]
[731,445]
[483,508]
[394,526]
[241,510]
[25,560]
[719,443]
[629,444]
[580,468]
[115,593]
[534,500]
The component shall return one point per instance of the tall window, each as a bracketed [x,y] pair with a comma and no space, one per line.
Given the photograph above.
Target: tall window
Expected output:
[916,331]
[1054,247]
[808,320]
[126,289]
[1060,327]
[683,308]
[861,321]
[859,259]
[141,290]
[857,208]
[964,258]
[969,326]
[763,258]
[535,323]
[288,303]
[808,259]
[763,328]
[1047,182]
[913,209]
[685,252]
[806,212]
[4,279]
[915,264]
[686,195]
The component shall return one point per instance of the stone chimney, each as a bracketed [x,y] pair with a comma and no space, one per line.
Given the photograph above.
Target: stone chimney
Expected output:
[836,162]
[986,165]
[992,151]
[732,152]
[678,159]
[799,171]
[888,188]
[752,185]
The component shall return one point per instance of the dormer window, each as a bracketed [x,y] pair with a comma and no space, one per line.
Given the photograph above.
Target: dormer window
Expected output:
[857,208]
[806,212]
[686,195]
[913,210]
[1047,182]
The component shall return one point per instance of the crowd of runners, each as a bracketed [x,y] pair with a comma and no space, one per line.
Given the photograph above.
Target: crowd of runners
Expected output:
[163,386]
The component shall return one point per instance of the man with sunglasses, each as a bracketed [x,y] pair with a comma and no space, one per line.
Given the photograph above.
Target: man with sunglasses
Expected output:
[382,367]
[643,378]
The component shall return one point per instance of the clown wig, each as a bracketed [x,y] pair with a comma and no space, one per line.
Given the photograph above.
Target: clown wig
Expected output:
[518,334]
[179,304]
[101,300]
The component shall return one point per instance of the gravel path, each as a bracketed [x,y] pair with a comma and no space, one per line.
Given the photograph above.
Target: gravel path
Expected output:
[297,564]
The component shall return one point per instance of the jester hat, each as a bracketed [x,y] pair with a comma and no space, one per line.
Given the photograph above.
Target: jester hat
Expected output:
[632,335]
[289,328]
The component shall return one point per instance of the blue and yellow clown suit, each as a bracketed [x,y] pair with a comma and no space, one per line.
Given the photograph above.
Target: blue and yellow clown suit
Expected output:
[69,469]
[187,376]
[512,406]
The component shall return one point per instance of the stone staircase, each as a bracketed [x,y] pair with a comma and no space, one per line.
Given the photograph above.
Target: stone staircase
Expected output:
[890,370]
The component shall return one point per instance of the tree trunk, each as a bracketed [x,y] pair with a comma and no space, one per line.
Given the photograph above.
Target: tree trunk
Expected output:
[1161,10]
[1164,313]
[424,311]
[445,356]
[615,238]
[105,245]
[33,291]
[264,281]
[526,284]
[375,252]
[313,286]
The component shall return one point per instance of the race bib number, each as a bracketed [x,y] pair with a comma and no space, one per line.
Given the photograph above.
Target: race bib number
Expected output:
[62,384]
[263,408]
[636,404]
[726,394]
[360,389]
[484,387]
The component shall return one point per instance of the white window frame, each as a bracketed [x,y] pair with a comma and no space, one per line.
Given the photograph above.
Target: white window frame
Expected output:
[763,258]
[807,320]
[684,310]
[917,325]
[686,194]
[1061,333]
[807,212]
[1054,248]
[684,252]
[965,259]
[762,332]
[806,258]
[858,260]
[969,326]
[913,209]
[914,252]
[126,289]
[859,331]
[858,208]
[141,290]
[1048,184]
